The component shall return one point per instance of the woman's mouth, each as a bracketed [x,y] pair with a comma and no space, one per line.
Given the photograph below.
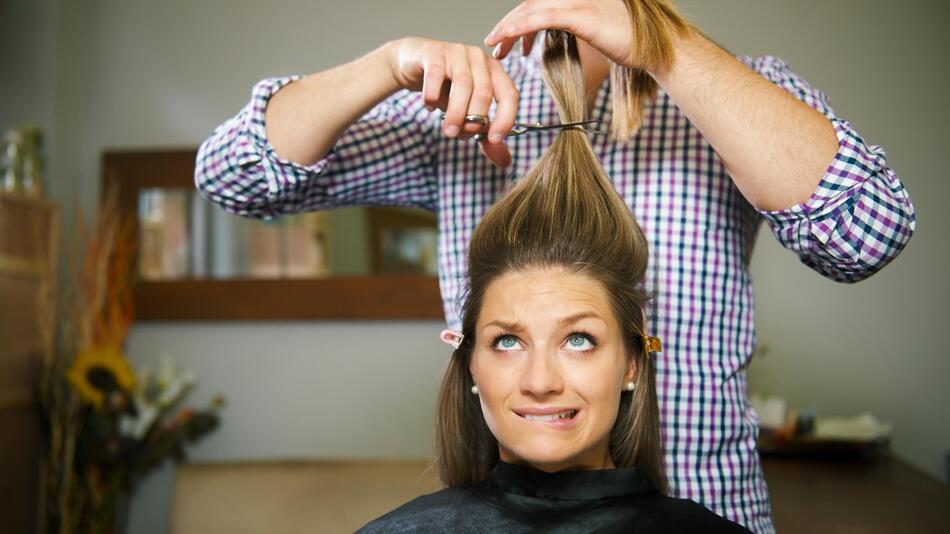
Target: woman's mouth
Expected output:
[567,414]
[562,419]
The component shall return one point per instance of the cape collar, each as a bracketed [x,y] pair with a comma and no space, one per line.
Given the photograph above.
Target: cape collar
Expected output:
[572,485]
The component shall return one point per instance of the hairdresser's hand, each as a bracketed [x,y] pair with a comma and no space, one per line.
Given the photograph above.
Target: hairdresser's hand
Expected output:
[605,24]
[460,80]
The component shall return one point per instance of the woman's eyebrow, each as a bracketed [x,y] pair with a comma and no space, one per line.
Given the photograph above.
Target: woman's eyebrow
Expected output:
[578,316]
[516,327]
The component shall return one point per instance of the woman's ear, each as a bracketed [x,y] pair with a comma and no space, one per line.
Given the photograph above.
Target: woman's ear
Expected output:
[631,372]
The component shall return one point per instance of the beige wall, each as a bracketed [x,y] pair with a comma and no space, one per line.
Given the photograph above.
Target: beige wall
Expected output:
[164,73]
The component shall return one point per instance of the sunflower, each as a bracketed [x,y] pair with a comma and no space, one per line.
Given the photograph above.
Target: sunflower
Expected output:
[99,370]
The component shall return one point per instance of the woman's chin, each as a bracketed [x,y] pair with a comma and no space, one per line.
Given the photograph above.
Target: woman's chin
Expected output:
[552,466]
[544,456]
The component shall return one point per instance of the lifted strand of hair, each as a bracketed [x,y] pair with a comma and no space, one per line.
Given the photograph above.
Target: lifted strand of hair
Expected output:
[655,24]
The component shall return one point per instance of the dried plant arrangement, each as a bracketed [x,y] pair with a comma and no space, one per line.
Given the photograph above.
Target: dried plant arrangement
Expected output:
[105,426]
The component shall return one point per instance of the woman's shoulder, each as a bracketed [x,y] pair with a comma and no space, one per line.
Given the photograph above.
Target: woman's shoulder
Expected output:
[427,513]
[669,514]
[464,508]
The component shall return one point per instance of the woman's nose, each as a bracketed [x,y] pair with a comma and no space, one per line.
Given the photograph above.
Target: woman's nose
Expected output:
[541,374]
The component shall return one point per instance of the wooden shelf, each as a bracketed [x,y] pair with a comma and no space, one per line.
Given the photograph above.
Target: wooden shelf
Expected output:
[28,258]
[13,266]
[25,200]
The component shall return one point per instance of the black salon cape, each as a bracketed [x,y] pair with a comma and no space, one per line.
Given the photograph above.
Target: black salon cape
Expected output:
[523,499]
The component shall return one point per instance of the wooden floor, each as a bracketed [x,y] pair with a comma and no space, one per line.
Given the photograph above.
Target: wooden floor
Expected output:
[883,495]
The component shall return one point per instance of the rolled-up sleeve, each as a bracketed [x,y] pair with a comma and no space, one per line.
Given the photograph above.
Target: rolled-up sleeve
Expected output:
[860,215]
[385,158]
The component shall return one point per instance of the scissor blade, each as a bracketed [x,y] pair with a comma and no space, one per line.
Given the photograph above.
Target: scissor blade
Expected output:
[540,127]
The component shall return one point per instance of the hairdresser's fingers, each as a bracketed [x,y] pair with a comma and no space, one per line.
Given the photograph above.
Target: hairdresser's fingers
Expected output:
[482,89]
[432,82]
[524,8]
[444,95]
[497,153]
[511,14]
[501,49]
[461,93]
[506,94]
[532,22]
[605,25]
[527,43]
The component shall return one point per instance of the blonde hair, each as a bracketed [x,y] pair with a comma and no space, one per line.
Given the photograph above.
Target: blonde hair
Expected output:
[655,24]
[565,213]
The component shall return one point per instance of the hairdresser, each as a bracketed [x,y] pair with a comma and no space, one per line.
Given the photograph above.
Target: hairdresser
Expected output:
[705,148]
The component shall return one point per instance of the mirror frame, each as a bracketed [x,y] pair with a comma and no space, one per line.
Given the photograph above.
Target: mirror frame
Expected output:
[344,297]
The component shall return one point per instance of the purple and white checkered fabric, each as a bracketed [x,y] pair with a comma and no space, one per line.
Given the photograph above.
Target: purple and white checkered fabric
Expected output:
[700,228]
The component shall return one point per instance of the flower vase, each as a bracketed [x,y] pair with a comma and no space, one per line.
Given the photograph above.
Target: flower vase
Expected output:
[112,515]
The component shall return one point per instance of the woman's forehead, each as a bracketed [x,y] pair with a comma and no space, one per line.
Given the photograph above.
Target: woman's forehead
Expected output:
[544,297]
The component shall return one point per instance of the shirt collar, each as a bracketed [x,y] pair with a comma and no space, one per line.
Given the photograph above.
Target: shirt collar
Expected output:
[572,485]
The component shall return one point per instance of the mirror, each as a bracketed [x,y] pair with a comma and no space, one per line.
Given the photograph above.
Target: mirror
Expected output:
[182,236]
[198,262]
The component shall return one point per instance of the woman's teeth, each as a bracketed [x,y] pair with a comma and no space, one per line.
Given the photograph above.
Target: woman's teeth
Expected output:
[551,417]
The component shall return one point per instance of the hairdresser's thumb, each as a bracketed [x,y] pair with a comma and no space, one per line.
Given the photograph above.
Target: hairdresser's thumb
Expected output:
[497,153]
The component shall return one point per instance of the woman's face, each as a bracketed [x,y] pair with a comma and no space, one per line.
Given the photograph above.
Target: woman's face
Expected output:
[550,366]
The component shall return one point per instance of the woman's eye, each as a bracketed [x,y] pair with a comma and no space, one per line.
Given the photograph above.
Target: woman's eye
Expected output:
[580,342]
[506,343]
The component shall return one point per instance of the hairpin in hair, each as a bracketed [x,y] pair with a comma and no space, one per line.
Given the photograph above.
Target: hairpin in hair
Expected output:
[652,344]
[451,337]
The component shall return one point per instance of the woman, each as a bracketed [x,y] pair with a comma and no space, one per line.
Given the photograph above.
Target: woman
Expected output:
[547,416]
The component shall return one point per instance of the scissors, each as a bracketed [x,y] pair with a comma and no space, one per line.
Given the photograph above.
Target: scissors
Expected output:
[521,128]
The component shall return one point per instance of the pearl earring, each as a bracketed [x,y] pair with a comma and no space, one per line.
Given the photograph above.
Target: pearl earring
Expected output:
[629,386]
[474,390]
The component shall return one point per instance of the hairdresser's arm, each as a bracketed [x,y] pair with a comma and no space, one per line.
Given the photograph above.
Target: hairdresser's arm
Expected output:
[305,118]
[357,134]
[825,193]
[342,137]
[775,147]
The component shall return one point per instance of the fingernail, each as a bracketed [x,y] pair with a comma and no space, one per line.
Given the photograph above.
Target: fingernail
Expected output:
[495,137]
[495,53]
[452,130]
[430,108]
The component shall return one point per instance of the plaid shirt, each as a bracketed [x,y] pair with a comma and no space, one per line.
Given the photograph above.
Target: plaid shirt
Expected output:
[700,228]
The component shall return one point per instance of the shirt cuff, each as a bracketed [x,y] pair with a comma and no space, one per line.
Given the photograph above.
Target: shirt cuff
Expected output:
[853,164]
[253,146]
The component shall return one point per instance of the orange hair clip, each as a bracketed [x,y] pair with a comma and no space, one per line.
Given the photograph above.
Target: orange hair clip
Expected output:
[652,344]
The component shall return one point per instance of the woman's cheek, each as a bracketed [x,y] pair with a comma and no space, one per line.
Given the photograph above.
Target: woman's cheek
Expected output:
[494,418]
[493,393]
